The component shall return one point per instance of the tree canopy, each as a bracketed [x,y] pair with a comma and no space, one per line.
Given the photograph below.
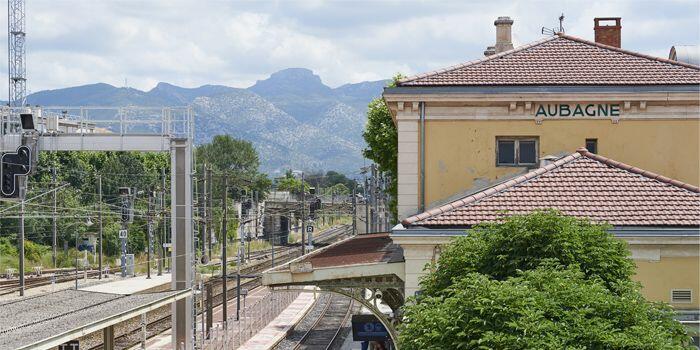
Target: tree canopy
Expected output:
[538,281]
[292,183]
[382,142]
[238,159]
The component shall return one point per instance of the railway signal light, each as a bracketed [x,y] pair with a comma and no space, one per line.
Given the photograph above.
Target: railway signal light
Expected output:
[12,166]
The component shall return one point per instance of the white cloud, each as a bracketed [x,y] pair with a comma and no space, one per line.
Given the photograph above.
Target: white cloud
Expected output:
[189,43]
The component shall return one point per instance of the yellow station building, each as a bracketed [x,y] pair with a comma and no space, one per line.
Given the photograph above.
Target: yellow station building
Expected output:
[505,134]
[466,130]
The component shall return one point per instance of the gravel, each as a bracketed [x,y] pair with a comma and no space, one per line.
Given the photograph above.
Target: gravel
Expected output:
[26,321]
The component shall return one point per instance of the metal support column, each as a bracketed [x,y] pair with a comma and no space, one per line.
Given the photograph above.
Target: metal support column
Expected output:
[181,226]
[108,338]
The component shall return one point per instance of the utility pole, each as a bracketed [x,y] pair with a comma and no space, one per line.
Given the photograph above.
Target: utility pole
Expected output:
[22,196]
[303,215]
[366,193]
[373,196]
[164,213]
[150,233]
[53,218]
[354,210]
[203,211]
[210,207]
[99,215]
[223,253]
[124,193]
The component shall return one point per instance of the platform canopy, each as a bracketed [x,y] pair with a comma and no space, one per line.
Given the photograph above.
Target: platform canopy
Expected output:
[370,261]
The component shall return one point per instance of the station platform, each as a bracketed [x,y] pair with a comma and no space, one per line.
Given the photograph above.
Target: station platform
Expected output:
[133,285]
[276,330]
[49,320]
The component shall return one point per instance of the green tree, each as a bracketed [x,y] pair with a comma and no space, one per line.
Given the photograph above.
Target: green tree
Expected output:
[538,281]
[292,184]
[382,142]
[239,159]
[339,189]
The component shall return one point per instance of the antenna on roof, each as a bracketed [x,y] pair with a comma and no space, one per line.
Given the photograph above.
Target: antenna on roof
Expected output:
[553,31]
[561,23]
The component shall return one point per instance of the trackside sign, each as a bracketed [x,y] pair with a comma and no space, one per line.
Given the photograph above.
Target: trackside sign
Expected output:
[578,110]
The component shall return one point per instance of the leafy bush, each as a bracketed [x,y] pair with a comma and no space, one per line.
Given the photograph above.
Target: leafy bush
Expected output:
[7,247]
[500,250]
[33,251]
[549,307]
[537,281]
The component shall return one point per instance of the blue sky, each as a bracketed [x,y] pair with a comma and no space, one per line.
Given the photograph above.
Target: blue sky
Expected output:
[235,43]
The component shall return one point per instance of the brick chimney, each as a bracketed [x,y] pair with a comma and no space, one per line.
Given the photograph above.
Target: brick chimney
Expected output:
[503,34]
[608,31]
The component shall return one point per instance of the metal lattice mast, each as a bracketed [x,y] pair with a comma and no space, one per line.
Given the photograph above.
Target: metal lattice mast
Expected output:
[16,53]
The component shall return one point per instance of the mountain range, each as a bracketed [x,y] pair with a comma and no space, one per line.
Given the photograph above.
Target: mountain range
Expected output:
[292,118]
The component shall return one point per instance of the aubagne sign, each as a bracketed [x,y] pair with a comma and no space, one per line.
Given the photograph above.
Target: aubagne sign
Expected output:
[578,110]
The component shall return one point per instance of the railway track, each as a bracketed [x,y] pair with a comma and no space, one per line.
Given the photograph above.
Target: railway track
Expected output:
[322,326]
[47,278]
[324,332]
[161,321]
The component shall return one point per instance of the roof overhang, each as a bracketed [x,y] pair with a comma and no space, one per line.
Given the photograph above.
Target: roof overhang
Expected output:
[631,234]
[539,89]
[320,269]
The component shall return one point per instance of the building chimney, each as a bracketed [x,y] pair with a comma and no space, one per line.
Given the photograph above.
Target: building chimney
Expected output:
[547,160]
[609,33]
[503,37]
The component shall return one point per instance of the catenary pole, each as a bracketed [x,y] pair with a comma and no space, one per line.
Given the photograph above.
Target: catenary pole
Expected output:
[224,292]
[53,219]
[303,215]
[22,195]
[99,215]
[210,207]
[150,233]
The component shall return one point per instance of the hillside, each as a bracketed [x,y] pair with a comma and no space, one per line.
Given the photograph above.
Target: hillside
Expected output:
[292,118]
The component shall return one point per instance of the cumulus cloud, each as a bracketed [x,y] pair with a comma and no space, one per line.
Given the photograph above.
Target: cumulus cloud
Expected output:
[190,43]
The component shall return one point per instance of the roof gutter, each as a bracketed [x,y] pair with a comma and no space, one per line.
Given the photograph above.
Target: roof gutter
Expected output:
[509,89]
[618,231]
[422,157]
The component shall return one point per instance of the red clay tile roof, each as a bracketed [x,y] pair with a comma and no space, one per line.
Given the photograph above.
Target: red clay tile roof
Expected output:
[584,185]
[362,249]
[562,60]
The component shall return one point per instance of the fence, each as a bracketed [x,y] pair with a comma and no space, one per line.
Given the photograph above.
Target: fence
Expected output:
[253,318]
